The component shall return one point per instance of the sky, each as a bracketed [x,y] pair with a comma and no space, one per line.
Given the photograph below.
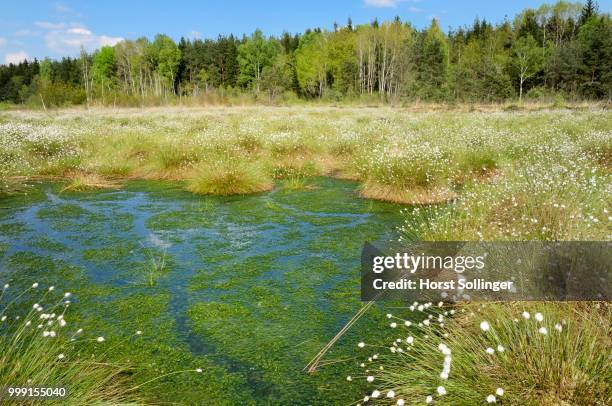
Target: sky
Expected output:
[45,28]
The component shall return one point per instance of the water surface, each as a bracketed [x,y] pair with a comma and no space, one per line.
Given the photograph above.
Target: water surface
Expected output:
[251,286]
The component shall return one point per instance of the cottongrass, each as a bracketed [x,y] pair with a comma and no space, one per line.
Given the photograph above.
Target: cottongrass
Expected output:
[40,347]
[489,354]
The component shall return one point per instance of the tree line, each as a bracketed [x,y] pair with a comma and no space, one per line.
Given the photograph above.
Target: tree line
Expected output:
[561,49]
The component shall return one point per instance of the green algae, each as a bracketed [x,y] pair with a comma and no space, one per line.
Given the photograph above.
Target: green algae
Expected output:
[251,288]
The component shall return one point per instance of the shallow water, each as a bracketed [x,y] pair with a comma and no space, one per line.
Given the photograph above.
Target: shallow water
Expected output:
[251,288]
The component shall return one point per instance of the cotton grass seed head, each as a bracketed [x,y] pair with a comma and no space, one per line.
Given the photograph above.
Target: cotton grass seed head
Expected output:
[484,326]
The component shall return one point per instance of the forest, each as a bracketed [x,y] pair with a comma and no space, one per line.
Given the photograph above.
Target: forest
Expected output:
[563,50]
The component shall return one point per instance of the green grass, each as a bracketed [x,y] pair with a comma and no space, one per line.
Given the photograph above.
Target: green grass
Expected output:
[561,360]
[500,175]
[229,177]
[37,349]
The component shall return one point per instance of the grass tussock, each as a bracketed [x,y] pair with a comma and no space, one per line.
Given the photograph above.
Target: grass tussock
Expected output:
[83,182]
[394,194]
[229,177]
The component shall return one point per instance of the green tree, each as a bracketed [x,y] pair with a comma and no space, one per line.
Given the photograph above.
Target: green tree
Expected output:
[166,56]
[277,77]
[595,39]
[434,60]
[254,55]
[311,63]
[526,60]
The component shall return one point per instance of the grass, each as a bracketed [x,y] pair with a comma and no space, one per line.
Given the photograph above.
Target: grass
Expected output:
[82,182]
[556,356]
[476,173]
[226,178]
[421,157]
[39,346]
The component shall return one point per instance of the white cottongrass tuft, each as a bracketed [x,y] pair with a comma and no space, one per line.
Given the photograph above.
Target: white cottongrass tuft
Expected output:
[370,378]
[34,285]
[61,356]
[198,370]
[500,348]
[391,394]
[100,339]
[491,399]
[484,326]
[361,344]
[539,317]
[429,399]
[441,390]
[558,327]
[499,392]
[490,350]
[526,315]
[375,394]
[400,402]
[543,330]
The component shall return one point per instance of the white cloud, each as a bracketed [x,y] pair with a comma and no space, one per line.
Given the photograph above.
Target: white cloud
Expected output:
[415,9]
[3,41]
[15,57]
[80,31]
[70,38]
[382,3]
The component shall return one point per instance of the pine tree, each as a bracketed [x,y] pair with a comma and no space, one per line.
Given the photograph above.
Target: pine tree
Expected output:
[588,11]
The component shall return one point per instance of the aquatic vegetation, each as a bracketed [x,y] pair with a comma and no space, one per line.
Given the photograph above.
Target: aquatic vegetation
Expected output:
[155,266]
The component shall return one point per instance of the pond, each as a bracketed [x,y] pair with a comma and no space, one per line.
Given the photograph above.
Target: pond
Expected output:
[249,288]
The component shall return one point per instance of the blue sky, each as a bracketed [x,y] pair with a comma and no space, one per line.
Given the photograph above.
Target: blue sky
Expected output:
[38,28]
